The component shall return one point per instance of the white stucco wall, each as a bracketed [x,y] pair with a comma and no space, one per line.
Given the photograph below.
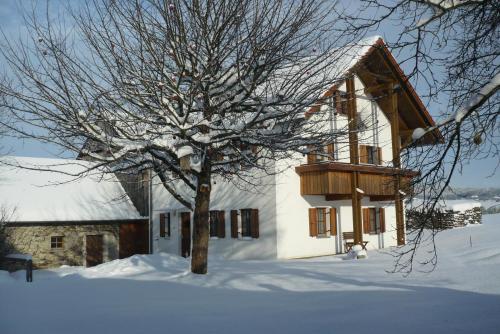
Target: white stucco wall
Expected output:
[225,196]
[292,216]
[283,212]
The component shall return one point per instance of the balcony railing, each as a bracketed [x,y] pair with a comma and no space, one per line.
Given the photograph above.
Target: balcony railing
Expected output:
[333,179]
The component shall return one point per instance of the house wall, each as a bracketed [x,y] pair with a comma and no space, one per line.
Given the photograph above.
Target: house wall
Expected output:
[292,215]
[292,208]
[224,196]
[35,240]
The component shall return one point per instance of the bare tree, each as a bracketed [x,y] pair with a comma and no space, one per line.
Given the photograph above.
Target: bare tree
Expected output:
[452,48]
[193,90]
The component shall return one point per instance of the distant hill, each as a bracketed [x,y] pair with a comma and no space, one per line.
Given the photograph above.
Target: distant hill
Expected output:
[489,197]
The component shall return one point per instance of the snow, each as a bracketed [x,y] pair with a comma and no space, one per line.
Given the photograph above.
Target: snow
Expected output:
[157,294]
[418,133]
[57,194]
[184,150]
[476,99]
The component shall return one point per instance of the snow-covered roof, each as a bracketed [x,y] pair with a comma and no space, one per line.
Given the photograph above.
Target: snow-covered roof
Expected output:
[55,194]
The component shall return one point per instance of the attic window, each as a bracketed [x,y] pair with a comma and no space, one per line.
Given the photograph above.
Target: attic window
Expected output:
[56,242]
[340,102]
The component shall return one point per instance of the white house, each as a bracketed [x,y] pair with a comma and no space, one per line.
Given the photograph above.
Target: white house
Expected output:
[323,203]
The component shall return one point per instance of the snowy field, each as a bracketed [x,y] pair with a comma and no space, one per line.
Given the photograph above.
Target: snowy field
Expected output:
[157,294]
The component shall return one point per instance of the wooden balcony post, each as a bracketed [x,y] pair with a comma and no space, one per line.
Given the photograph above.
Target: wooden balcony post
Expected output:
[354,159]
[396,161]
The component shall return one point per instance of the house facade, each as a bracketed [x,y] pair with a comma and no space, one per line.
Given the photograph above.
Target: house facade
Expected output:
[349,193]
[62,217]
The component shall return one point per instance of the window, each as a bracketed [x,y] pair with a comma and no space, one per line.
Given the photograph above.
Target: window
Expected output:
[165,225]
[56,242]
[322,222]
[370,155]
[373,220]
[217,224]
[248,225]
[321,219]
[246,222]
[324,154]
[340,101]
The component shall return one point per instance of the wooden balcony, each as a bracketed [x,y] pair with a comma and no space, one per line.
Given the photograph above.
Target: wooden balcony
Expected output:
[333,180]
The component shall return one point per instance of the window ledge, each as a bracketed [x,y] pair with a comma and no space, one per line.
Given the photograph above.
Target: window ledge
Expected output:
[245,238]
[214,238]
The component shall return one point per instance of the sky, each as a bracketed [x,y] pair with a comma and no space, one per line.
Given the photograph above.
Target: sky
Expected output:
[480,173]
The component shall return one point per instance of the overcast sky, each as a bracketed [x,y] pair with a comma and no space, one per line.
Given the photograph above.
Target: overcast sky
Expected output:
[477,174]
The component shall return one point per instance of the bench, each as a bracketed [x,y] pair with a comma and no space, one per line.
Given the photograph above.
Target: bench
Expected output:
[25,260]
[346,236]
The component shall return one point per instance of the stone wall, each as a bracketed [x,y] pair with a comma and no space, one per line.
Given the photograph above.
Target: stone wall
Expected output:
[35,240]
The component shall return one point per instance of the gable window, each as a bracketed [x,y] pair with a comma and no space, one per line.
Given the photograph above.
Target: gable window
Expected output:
[340,102]
[370,155]
[325,153]
[165,224]
[56,242]
[373,220]
[217,224]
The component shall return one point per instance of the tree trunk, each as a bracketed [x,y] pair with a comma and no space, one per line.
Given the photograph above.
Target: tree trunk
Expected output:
[200,224]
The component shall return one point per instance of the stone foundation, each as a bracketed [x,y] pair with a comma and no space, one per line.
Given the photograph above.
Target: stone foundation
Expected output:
[35,240]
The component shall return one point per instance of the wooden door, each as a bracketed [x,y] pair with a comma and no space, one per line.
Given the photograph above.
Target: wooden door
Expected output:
[185,234]
[94,250]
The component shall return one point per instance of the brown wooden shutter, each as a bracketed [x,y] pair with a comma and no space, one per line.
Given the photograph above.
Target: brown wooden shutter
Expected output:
[162,225]
[363,154]
[311,156]
[313,222]
[366,220]
[254,223]
[333,221]
[330,149]
[381,217]
[234,223]
[221,227]
[379,155]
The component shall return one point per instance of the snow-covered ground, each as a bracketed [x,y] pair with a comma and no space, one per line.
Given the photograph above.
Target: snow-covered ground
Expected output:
[157,294]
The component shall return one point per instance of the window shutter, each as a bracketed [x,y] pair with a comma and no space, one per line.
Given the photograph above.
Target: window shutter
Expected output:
[221,227]
[311,156]
[366,220]
[313,222]
[234,223]
[363,154]
[168,224]
[333,221]
[379,155]
[254,223]
[162,225]
[330,149]
[381,218]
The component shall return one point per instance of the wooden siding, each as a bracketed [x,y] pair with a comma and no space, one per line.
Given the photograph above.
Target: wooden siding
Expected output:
[324,179]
